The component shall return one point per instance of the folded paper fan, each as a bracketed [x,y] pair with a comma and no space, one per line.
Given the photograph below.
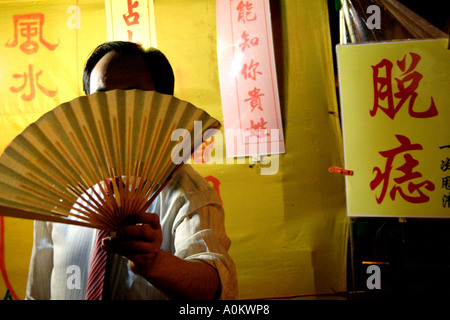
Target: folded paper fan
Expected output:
[97,159]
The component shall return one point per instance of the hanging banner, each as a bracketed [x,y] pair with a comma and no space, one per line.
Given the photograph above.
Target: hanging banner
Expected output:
[130,20]
[250,102]
[395,110]
[43,48]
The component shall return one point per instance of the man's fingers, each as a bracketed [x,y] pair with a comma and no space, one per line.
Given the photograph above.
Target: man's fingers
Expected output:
[143,218]
[139,240]
[143,232]
[129,248]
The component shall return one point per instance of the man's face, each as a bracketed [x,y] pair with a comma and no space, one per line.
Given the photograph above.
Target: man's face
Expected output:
[115,72]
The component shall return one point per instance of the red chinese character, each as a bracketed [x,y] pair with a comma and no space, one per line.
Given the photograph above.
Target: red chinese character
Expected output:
[201,155]
[408,174]
[130,37]
[247,41]
[29,78]
[255,99]
[249,71]
[258,129]
[215,184]
[130,16]
[383,88]
[245,11]
[30,26]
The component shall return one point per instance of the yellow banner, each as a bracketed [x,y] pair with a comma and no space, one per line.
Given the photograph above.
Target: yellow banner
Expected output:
[43,47]
[395,110]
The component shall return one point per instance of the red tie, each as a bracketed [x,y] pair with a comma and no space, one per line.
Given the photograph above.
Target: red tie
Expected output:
[97,270]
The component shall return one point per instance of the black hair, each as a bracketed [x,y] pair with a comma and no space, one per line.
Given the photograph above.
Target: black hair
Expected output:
[159,67]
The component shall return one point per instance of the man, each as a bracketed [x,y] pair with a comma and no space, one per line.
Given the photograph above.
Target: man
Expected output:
[177,249]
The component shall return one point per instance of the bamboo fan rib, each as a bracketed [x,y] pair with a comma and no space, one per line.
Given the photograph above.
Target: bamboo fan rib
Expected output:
[99,158]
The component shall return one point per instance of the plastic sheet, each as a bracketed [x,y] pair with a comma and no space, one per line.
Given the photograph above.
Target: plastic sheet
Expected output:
[357,23]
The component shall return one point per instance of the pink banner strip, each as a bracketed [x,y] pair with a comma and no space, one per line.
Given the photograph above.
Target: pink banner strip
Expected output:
[250,101]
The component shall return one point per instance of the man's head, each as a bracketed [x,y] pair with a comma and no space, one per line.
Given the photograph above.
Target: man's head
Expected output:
[126,65]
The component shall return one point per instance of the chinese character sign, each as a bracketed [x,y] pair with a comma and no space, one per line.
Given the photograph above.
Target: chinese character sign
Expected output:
[131,20]
[29,27]
[26,40]
[43,48]
[395,103]
[250,102]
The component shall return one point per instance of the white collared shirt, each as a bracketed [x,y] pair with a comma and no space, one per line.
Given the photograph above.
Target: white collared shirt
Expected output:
[192,222]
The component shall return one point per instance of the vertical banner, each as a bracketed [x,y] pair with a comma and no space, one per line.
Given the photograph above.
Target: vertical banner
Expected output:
[395,103]
[43,46]
[249,89]
[130,20]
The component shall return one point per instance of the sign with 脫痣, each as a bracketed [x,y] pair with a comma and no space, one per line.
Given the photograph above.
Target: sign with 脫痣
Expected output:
[131,20]
[395,102]
[249,89]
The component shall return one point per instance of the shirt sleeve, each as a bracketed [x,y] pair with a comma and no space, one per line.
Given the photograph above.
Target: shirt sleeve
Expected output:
[41,263]
[201,235]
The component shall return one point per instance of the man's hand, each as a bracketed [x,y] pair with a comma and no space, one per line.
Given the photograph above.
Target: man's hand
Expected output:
[139,241]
